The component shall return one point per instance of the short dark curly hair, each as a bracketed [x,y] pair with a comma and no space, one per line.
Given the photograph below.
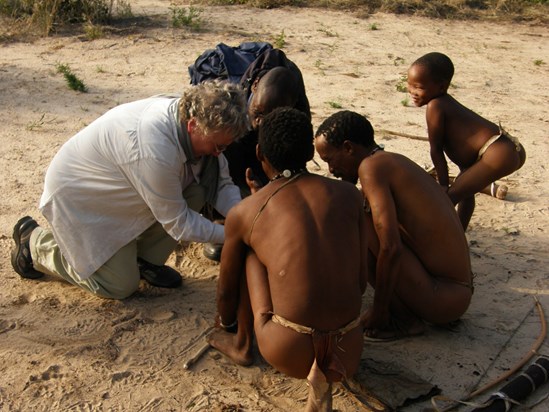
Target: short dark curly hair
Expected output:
[347,125]
[439,66]
[286,139]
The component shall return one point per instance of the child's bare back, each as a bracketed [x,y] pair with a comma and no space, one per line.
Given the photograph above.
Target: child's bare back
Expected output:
[464,132]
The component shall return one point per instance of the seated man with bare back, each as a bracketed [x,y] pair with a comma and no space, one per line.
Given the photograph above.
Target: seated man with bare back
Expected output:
[293,266]
[418,259]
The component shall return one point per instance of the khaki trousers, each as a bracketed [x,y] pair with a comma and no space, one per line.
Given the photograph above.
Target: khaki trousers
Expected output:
[119,277]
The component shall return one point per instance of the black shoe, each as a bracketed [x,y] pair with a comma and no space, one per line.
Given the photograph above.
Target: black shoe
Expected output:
[21,259]
[213,251]
[160,276]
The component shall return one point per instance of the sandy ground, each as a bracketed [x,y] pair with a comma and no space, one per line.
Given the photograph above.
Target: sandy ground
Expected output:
[61,349]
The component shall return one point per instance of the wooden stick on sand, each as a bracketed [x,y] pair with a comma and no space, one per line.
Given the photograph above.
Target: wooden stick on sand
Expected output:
[202,349]
[199,353]
[409,136]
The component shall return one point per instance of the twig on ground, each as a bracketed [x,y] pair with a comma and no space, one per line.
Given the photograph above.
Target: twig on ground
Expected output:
[409,136]
[192,360]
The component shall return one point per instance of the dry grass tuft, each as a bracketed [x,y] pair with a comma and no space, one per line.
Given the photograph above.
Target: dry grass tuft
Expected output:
[20,18]
[536,11]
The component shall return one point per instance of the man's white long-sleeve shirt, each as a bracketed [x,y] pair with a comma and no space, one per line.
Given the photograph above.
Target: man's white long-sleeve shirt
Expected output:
[118,176]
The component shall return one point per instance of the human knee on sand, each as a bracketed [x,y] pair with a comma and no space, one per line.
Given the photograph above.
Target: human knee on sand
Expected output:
[269,286]
[122,192]
[418,255]
[483,150]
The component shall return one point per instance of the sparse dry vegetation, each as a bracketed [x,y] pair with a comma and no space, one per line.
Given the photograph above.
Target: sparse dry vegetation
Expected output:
[43,17]
[517,10]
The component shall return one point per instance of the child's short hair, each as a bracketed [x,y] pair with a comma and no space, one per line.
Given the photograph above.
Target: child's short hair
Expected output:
[439,65]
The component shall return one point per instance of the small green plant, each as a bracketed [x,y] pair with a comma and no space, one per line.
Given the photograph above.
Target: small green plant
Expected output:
[373,26]
[335,105]
[123,9]
[186,17]
[401,86]
[319,66]
[73,82]
[398,61]
[100,69]
[539,62]
[405,102]
[37,124]
[279,40]
[328,32]
[93,31]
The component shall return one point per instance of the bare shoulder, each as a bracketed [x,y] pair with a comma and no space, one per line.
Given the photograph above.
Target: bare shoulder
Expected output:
[460,121]
[451,107]
[376,166]
[401,166]
[442,104]
[237,220]
[391,169]
[340,187]
[338,184]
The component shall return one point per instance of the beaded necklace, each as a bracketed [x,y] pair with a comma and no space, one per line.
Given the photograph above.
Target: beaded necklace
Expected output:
[278,189]
[287,173]
[376,149]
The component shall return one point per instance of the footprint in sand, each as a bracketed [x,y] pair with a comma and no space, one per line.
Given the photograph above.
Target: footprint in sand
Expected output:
[53,372]
[7,325]
[162,315]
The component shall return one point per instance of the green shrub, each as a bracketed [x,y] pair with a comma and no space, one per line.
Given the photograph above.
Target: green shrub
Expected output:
[78,11]
[16,8]
[73,82]
[188,17]
[93,31]
[44,15]
[402,85]
[279,41]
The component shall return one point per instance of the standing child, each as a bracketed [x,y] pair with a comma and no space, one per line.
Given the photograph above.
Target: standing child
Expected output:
[482,150]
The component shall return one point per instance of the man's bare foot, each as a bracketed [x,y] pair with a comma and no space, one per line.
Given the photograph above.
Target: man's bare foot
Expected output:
[227,344]
[320,391]
[398,330]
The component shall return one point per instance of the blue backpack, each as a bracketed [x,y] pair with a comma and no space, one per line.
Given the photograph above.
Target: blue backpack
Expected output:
[226,62]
